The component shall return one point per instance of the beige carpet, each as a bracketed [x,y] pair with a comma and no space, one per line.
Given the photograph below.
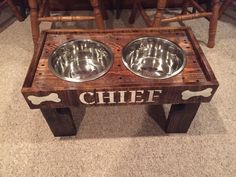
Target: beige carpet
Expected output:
[118,141]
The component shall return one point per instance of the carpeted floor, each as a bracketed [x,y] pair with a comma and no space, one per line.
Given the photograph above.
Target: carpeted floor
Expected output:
[118,141]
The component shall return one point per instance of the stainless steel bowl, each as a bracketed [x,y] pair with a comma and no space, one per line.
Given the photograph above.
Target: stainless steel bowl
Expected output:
[153,58]
[80,60]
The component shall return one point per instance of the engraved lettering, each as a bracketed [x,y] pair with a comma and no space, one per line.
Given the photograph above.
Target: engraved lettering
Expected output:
[135,96]
[122,96]
[108,97]
[82,98]
[152,95]
[111,97]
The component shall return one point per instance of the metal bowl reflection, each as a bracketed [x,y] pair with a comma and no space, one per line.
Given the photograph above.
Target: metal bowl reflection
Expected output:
[80,60]
[153,58]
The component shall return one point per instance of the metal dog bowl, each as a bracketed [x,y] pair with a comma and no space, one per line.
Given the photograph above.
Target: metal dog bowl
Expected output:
[80,60]
[153,58]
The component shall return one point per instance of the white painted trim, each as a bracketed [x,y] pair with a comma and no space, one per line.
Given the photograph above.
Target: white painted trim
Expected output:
[187,94]
[36,100]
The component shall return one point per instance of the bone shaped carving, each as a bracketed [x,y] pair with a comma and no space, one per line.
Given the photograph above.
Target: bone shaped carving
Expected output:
[189,94]
[38,100]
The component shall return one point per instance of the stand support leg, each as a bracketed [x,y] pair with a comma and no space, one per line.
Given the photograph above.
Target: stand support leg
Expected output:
[60,121]
[180,117]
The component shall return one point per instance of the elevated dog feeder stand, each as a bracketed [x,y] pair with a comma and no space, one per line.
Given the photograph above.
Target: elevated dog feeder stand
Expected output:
[119,86]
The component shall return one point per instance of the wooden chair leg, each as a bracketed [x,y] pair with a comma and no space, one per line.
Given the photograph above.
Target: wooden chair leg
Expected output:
[213,23]
[179,118]
[185,7]
[118,8]
[97,14]
[208,5]
[23,7]
[34,21]
[15,10]
[161,4]
[224,6]
[104,11]
[133,12]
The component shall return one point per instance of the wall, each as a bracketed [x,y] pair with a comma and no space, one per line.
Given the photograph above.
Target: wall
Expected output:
[84,4]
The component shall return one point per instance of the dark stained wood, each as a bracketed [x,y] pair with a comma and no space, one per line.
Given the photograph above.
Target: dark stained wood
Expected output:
[180,117]
[213,23]
[185,7]
[84,4]
[224,6]
[60,121]
[196,76]
[133,12]
[34,62]
[157,113]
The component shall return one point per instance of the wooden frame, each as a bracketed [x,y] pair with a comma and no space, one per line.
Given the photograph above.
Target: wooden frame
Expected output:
[212,16]
[195,84]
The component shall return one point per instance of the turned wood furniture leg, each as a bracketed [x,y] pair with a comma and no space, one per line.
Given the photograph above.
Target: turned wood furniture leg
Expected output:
[213,23]
[47,9]
[103,10]
[118,8]
[97,14]
[60,121]
[208,5]
[185,7]
[180,117]
[15,10]
[34,21]
[23,7]
[224,6]
[161,4]
[133,12]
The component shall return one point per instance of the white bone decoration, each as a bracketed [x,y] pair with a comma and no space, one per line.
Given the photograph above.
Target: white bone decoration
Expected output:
[189,94]
[36,100]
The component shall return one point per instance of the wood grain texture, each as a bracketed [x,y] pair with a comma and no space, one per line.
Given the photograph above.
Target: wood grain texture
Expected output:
[180,117]
[60,121]
[196,76]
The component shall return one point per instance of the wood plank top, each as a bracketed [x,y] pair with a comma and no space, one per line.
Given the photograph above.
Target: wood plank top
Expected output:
[196,72]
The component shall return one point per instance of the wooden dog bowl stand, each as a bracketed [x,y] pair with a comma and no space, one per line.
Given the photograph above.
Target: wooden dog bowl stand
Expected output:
[119,86]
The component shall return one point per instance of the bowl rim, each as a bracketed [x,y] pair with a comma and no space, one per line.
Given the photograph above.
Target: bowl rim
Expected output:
[178,71]
[105,46]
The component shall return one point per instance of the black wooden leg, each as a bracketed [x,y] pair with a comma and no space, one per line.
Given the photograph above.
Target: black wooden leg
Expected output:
[180,117]
[60,121]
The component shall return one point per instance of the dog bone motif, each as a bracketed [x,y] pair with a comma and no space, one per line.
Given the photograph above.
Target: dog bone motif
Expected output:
[38,100]
[189,94]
